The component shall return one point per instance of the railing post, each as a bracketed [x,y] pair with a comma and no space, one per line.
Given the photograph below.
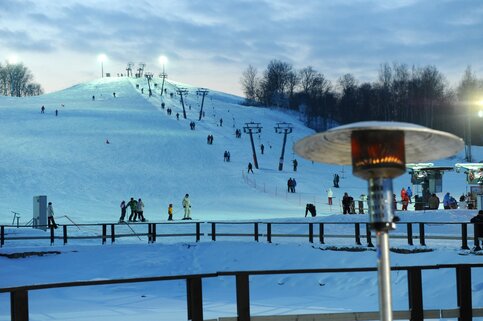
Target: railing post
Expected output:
[463,286]
[410,233]
[64,234]
[213,231]
[369,236]
[464,236]
[269,232]
[321,233]
[104,233]
[19,305]
[311,232]
[357,233]
[415,294]
[113,233]
[2,235]
[194,299]
[153,231]
[243,297]
[255,231]
[150,233]
[422,241]
[52,235]
[198,232]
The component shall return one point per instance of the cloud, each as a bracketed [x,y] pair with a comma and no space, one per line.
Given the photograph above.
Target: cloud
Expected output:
[22,41]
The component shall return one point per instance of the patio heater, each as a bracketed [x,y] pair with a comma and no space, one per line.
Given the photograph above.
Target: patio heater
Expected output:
[378,152]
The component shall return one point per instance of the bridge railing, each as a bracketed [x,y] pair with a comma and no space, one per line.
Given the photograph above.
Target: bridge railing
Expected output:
[19,296]
[313,232]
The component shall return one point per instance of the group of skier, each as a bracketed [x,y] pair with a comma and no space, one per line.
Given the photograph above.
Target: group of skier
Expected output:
[137,210]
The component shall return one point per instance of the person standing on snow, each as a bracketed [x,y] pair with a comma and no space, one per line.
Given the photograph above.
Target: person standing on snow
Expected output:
[170,212]
[409,193]
[478,220]
[123,211]
[330,195]
[140,210]
[133,204]
[187,207]
[250,167]
[50,214]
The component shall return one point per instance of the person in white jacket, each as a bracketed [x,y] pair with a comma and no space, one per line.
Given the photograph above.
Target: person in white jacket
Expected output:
[140,210]
[330,195]
[50,215]
[187,207]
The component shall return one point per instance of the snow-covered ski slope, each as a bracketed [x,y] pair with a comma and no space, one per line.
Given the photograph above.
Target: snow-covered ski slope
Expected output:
[153,156]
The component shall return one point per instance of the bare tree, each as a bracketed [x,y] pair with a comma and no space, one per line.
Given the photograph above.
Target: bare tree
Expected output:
[249,83]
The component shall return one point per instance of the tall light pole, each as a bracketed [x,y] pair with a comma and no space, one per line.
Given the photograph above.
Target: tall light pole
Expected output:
[378,152]
[163,60]
[469,113]
[101,59]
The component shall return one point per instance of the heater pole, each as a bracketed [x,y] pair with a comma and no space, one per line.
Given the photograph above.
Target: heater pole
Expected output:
[384,276]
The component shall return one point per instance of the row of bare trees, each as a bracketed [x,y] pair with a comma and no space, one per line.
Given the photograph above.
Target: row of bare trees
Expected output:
[16,80]
[418,95]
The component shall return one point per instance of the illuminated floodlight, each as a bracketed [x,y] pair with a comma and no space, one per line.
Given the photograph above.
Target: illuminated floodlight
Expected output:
[12,59]
[101,58]
[163,60]
[480,113]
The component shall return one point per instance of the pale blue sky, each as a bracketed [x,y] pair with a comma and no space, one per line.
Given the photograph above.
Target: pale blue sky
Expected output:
[210,42]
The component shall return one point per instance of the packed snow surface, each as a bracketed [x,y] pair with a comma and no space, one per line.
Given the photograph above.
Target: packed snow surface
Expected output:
[156,157]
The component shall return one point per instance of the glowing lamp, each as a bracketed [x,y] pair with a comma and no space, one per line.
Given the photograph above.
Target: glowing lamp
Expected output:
[378,152]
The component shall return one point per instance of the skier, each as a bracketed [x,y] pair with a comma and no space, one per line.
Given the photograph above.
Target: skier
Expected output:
[187,207]
[221,122]
[50,214]
[170,212]
[140,210]
[93,98]
[294,183]
[56,112]
[330,195]
[289,185]
[225,156]
[295,164]
[123,211]
[133,204]
[228,156]
[114,94]
[336,180]
[250,168]
[177,116]
[262,148]
[42,110]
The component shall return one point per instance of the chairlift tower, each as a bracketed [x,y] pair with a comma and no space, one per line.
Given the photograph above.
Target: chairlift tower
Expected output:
[141,69]
[129,68]
[253,128]
[181,92]
[164,76]
[285,129]
[203,92]
[149,77]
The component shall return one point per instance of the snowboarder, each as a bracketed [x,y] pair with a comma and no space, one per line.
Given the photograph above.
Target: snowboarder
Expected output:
[295,164]
[50,214]
[133,204]
[262,148]
[140,210]
[187,207]
[170,212]
[330,195]
[42,110]
[250,168]
[123,211]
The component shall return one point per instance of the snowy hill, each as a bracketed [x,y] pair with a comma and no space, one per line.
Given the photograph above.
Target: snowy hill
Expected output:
[154,156]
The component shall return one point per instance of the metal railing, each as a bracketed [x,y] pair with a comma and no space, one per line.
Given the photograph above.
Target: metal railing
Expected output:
[314,231]
[19,296]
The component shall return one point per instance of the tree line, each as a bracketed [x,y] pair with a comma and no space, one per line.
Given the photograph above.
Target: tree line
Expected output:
[419,95]
[16,80]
